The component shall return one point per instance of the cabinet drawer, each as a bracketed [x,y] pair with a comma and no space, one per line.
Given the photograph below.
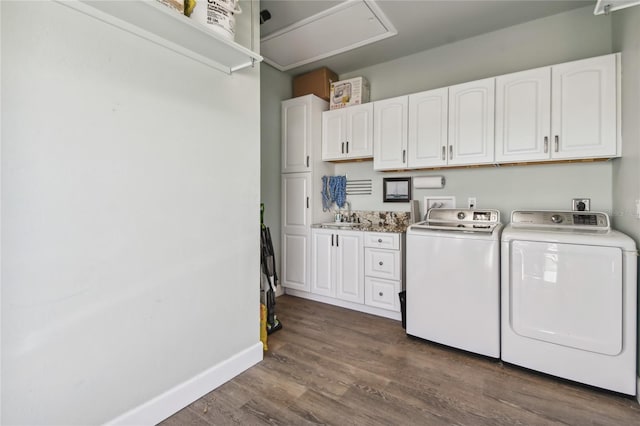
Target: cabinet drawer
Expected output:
[382,263]
[385,240]
[382,293]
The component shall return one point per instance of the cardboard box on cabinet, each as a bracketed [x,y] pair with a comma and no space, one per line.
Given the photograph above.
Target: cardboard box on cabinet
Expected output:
[344,93]
[317,82]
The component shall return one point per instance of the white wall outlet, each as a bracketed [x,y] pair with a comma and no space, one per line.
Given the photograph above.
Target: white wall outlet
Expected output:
[638,209]
[471,202]
[581,204]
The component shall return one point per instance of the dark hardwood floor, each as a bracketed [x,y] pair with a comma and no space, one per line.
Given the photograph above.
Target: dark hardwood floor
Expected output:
[330,365]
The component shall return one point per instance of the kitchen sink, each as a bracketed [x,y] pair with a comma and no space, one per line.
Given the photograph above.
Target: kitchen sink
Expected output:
[345,225]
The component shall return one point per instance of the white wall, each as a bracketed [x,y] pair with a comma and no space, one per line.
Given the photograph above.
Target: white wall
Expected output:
[505,188]
[559,38]
[275,87]
[626,171]
[130,198]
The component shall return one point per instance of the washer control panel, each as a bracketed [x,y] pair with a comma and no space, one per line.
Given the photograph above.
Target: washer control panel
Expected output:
[463,215]
[571,219]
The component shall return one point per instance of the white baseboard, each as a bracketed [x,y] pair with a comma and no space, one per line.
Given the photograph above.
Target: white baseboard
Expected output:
[175,399]
[345,304]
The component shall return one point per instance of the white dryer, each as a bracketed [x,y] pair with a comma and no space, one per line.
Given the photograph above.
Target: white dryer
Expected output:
[569,298]
[453,279]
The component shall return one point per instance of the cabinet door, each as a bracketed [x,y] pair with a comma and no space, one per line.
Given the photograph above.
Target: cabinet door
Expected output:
[294,261]
[584,101]
[333,134]
[523,116]
[322,262]
[296,219]
[296,214]
[471,122]
[390,133]
[359,136]
[428,113]
[296,134]
[349,266]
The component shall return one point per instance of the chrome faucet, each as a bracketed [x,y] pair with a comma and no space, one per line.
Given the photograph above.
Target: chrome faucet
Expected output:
[348,211]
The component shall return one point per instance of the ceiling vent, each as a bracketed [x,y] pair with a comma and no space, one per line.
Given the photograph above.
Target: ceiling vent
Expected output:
[336,30]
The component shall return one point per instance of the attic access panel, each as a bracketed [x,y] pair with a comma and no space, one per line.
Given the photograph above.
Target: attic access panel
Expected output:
[341,28]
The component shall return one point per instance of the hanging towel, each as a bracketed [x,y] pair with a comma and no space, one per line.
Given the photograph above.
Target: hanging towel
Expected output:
[338,189]
[326,194]
[334,190]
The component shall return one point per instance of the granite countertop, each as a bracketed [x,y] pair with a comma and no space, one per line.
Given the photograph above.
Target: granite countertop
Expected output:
[372,221]
[366,227]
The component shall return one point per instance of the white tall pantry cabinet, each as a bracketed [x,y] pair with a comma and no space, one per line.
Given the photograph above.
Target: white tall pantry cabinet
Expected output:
[302,171]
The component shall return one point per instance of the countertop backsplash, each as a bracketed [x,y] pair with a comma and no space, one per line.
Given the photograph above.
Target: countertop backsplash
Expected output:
[381,220]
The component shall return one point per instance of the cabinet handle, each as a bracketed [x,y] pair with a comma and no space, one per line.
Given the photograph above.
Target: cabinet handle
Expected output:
[444,152]
[343,147]
[557,141]
[331,240]
[546,144]
[379,240]
[307,202]
[307,161]
[380,263]
[404,155]
[380,294]
[347,147]
[450,152]
[337,240]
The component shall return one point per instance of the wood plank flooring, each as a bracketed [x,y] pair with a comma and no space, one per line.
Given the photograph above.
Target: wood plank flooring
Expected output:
[330,365]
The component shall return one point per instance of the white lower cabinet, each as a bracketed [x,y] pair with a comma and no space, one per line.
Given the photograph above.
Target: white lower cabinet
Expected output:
[356,269]
[337,264]
[383,270]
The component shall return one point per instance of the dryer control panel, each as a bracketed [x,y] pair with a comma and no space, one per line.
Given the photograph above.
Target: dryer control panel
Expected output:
[566,219]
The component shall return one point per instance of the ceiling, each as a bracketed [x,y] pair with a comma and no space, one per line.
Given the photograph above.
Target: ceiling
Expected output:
[420,25]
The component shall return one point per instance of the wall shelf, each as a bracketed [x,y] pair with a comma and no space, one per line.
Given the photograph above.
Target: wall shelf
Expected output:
[159,24]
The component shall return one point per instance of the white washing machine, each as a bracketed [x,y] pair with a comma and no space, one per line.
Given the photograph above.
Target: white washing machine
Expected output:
[569,298]
[453,279]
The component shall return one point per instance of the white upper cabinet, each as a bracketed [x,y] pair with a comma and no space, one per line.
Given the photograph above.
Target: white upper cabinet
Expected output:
[348,133]
[390,121]
[471,122]
[567,111]
[360,131]
[523,115]
[428,114]
[334,130]
[301,124]
[584,108]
